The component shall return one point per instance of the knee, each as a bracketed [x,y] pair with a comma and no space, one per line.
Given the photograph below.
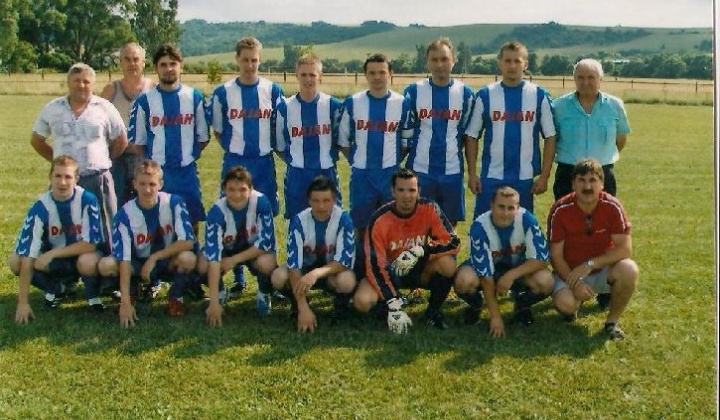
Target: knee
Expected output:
[446,266]
[266,263]
[87,264]
[564,302]
[345,281]
[186,261]
[542,282]
[108,266]
[364,301]
[626,272]
[279,278]
[466,281]
[14,263]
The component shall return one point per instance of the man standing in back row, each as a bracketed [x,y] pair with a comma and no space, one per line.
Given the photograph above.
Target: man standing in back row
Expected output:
[513,113]
[242,116]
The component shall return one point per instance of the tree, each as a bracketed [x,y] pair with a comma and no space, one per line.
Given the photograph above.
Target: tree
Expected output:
[699,67]
[420,63]
[556,65]
[154,22]
[464,58]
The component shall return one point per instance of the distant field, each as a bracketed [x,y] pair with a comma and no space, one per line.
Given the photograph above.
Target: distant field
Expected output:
[634,90]
[68,364]
[404,39]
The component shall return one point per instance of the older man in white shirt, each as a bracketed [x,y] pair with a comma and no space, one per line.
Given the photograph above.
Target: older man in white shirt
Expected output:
[88,128]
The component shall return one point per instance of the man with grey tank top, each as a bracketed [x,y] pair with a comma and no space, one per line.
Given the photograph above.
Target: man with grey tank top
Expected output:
[122,94]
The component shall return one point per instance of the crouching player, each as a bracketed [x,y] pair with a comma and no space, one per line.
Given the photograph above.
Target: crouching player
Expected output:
[409,243]
[239,231]
[320,254]
[57,242]
[152,238]
[507,252]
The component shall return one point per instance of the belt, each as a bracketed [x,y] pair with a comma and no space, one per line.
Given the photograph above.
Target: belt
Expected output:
[92,172]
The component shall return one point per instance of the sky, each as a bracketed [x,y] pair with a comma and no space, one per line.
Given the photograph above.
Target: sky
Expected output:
[642,13]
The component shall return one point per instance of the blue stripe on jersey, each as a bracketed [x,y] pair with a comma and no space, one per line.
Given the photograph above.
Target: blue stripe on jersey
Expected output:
[438,142]
[311,143]
[322,253]
[251,103]
[173,133]
[376,138]
[220,95]
[511,148]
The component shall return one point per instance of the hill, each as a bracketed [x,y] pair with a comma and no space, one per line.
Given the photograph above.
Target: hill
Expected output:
[483,39]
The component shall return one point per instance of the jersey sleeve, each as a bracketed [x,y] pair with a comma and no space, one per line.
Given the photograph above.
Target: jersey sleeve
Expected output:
[546,116]
[266,227]
[407,122]
[214,233]
[181,218]
[376,260]
[91,225]
[480,252]
[294,245]
[623,126]
[202,134]
[475,123]
[282,135]
[620,224]
[336,107]
[345,242]
[346,132]
[137,130]
[536,246]
[30,238]
[443,239]
[556,230]
[410,95]
[215,109]
[121,237]
[468,104]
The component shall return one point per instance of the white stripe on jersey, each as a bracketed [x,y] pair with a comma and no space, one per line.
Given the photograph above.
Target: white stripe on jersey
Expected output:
[325,141]
[233,95]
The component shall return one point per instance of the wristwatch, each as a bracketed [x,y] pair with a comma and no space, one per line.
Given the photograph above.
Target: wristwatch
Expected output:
[590,263]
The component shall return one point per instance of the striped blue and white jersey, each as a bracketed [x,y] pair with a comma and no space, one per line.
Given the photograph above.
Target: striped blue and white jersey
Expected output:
[311,243]
[307,131]
[171,125]
[243,116]
[441,114]
[513,118]
[139,232]
[228,229]
[509,247]
[375,129]
[54,224]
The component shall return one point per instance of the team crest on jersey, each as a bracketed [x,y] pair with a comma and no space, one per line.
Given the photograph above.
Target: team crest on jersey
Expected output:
[368,125]
[234,113]
[144,238]
[313,130]
[319,250]
[179,119]
[66,230]
[441,114]
[241,234]
[408,243]
[513,116]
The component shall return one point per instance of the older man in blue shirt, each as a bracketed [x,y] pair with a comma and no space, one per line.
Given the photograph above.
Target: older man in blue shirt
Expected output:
[590,124]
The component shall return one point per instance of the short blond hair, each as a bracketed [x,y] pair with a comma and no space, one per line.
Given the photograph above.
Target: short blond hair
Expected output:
[309,59]
[149,167]
[247,43]
[66,161]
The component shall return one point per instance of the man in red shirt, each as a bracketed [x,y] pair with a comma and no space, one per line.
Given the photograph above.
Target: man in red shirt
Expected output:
[590,248]
[409,243]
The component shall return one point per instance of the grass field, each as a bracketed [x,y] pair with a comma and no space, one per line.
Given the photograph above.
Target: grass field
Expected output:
[69,364]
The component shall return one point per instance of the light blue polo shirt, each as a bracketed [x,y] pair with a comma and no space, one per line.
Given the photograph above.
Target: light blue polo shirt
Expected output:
[581,135]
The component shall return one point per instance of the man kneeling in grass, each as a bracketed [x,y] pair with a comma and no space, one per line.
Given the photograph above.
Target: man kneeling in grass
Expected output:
[58,242]
[508,252]
[239,231]
[320,254]
[152,238]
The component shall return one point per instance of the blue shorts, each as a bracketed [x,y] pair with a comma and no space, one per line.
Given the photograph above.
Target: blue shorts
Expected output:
[296,184]
[447,191]
[369,189]
[262,170]
[489,186]
[185,182]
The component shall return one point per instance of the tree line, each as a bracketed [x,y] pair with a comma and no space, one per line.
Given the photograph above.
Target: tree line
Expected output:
[53,34]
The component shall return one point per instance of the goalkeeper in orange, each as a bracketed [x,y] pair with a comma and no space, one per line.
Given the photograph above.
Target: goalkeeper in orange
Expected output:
[409,243]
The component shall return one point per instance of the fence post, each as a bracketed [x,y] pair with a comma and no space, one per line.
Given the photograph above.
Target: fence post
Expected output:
[696,86]
[356,78]
[284,76]
[632,83]
[42,76]
[563,82]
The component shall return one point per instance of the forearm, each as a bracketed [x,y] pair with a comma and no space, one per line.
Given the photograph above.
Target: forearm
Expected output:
[548,156]
[73,250]
[621,141]
[471,154]
[300,296]
[329,269]
[246,255]
[213,276]
[488,286]
[118,146]
[612,256]
[528,267]
[25,277]
[125,271]
[39,143]
[172,250]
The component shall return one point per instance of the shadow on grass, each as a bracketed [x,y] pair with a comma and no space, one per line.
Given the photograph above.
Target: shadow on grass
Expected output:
[273,340]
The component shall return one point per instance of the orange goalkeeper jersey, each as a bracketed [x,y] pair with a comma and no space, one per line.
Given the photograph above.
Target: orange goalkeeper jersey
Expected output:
[389,234]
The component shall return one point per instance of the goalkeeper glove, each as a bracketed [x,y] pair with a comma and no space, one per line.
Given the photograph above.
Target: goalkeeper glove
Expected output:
[405,262]
[398,321]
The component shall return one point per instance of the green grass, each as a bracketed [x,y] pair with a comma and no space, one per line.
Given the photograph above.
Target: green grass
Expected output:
[68,364]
